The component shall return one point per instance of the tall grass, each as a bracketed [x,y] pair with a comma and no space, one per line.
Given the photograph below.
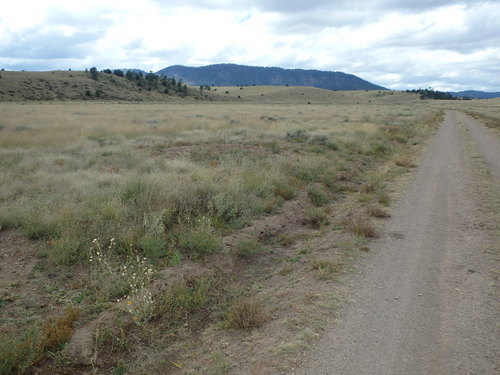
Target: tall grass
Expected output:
[104,171]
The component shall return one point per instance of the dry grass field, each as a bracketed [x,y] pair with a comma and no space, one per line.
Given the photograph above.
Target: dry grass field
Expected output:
[197,238]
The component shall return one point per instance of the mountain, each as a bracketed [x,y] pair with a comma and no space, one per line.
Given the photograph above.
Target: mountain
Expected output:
[242,75]
[476,94]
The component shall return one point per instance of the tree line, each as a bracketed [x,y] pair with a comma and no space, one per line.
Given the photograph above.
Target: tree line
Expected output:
[148,81]
[435,94]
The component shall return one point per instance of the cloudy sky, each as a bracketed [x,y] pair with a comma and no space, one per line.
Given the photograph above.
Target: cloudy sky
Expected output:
[444,44]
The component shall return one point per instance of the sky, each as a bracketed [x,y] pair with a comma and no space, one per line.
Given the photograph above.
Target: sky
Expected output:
[448,45]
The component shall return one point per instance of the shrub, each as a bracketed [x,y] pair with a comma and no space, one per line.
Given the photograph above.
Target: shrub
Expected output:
[319,139]
[297,135]
[332,146]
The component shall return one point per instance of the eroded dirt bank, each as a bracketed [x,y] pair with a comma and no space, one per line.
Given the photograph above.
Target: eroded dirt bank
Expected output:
[425,300]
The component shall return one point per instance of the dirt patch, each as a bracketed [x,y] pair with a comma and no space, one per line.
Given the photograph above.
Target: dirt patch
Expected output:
[22,284]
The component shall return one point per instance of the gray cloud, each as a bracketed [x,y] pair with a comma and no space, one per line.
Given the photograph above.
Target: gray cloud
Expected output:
[315,34]
[33,44]
[50,42]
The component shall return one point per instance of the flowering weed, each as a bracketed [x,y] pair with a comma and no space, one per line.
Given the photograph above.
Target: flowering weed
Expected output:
[111,279]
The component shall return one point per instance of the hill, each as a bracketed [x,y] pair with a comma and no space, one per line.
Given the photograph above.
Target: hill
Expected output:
[237,75]
[78,85]
[476,94]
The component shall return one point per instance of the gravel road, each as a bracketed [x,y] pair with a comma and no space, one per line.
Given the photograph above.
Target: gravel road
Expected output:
[426,299]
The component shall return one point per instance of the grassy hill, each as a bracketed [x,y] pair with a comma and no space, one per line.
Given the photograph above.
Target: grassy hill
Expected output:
[305,95]
[78,85]
[73,85]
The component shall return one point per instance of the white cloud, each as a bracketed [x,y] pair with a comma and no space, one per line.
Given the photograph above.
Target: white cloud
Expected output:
[394,43]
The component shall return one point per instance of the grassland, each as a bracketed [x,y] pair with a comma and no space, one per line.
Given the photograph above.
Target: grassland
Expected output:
[190,237]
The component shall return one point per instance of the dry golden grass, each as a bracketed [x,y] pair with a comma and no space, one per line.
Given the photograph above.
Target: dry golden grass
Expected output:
[169,180]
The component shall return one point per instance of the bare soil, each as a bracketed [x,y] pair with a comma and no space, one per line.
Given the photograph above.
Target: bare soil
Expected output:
[425,300]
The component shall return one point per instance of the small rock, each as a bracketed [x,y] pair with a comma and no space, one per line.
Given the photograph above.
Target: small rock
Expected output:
[471,270]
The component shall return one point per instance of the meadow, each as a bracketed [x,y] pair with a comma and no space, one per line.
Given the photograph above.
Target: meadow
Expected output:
[170,222]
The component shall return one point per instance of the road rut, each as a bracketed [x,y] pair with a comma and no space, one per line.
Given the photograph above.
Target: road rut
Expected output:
[425,300]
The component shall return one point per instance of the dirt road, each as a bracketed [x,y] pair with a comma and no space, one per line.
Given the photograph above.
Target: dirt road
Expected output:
[425,300]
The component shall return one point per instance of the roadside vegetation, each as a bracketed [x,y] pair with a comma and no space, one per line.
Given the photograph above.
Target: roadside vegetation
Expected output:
[155,224]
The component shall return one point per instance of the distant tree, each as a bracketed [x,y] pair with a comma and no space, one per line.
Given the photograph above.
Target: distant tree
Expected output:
[184,90]
[118,72]
[107,71]
[130,75]
[433,94]
[93,73]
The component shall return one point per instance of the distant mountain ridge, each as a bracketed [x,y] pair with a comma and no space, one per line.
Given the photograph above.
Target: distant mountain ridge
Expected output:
[476,94]
[236,75]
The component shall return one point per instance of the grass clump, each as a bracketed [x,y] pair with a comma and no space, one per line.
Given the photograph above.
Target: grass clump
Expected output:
[359,224]
[198,239]
[247,248]
[194,294]
[315,217]
[246,313]
[378,212]
[404,161]
[318,196]
[326,270]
